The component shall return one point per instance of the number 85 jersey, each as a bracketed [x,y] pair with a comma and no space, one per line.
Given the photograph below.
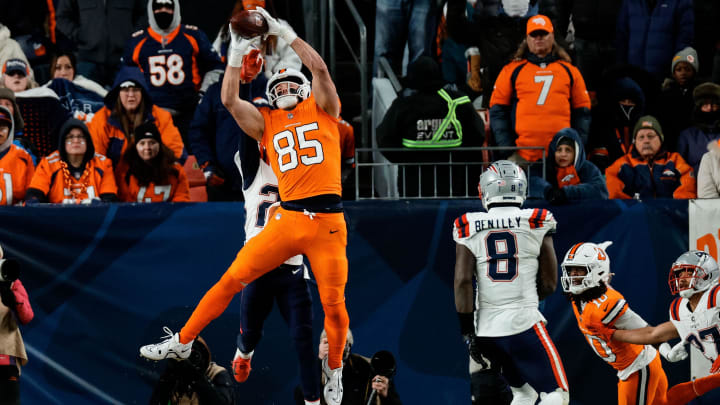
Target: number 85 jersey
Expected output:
[506,243]
[303,147]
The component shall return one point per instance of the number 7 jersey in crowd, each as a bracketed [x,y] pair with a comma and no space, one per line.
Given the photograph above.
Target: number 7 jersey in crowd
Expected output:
[506,242]
[303,147]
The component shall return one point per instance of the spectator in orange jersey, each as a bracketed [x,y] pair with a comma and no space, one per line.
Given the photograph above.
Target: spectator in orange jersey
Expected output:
[648,170]
[127,106]
[73,174]
[16,165]
[538,94]
[148,171]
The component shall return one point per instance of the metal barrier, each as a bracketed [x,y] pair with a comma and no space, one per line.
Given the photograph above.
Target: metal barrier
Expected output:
[456,176]
[361,61]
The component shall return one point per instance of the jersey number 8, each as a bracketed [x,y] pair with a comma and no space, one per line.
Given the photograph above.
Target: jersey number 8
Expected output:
[284,144]
[501,248]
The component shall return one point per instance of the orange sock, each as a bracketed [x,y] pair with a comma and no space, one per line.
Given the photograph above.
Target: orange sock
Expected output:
[212,304]
[687,391]
[336,326]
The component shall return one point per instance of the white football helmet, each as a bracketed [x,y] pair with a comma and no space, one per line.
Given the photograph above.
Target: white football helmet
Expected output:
[502,182]
[294,95]
[704,273]
[594,259]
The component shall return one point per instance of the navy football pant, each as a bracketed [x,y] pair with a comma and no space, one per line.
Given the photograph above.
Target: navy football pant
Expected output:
[288,287]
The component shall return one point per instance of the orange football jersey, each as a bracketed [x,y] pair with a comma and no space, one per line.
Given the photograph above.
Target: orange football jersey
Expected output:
[50,180]
[600,315]
[347,142]
[178,189]
[303,147]
[16,171]
[545,97]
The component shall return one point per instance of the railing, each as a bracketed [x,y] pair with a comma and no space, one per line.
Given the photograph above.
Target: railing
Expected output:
[456,176]
[361,60]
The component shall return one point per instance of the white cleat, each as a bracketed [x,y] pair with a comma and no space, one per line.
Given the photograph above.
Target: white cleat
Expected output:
[333,390]
[169,348]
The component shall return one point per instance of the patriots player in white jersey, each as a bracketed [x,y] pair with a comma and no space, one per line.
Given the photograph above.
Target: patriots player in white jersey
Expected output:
[510,253]
[286,284]
[694,315]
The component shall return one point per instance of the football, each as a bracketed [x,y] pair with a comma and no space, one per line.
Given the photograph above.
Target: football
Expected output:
[248,24]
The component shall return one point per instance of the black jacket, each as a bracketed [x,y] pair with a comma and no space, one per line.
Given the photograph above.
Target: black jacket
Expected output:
[100,29]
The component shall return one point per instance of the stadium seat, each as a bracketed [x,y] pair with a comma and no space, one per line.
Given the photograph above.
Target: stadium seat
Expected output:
[195,176]
[194,173]
[198,194]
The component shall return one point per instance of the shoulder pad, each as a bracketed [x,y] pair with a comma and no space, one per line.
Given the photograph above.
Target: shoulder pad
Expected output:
[540,217]
[612,309]
[461,227]
[137,33]
[675,309]
[191,27]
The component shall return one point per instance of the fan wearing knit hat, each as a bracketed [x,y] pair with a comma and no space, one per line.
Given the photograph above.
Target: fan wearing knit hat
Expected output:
[148,171]
[676,100]
[648,170]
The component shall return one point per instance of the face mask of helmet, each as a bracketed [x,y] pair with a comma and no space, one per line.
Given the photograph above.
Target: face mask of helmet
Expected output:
[287,89]
[163,19]
[693,272]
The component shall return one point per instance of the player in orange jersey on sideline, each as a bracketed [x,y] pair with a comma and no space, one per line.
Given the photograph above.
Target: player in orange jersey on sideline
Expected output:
[301,138]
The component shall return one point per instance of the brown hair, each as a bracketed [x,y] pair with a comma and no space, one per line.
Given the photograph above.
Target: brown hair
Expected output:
[70,56]
[128,122]
[158,170]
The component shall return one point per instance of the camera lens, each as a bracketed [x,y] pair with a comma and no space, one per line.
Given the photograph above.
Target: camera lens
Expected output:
[9,270]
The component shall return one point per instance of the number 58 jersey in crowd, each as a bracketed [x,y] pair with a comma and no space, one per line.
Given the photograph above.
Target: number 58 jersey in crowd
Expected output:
[506,243]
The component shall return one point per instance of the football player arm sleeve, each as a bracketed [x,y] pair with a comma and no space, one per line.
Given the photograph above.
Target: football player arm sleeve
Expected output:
[247,116]
[647,335]
[547,272]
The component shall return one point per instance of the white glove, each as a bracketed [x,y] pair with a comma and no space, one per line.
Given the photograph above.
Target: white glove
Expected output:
[674,354]
[237,49]
[275,27]
[515,8]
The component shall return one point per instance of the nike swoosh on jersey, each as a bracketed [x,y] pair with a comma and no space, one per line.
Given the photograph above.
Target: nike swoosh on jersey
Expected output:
[296,271]
[334,230]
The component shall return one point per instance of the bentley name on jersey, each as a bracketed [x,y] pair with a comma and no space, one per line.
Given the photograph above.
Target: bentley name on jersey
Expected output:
[506,243]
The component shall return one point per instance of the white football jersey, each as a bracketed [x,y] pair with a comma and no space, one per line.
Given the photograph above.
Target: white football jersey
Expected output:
[506,243]
[700,328]
[260,194]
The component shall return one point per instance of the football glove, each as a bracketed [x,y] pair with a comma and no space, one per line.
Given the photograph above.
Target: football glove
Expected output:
[674,354]
[275,27]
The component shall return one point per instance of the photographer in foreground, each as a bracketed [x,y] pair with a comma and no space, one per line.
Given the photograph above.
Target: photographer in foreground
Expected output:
[365,381]
[194,381]
[15,310]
